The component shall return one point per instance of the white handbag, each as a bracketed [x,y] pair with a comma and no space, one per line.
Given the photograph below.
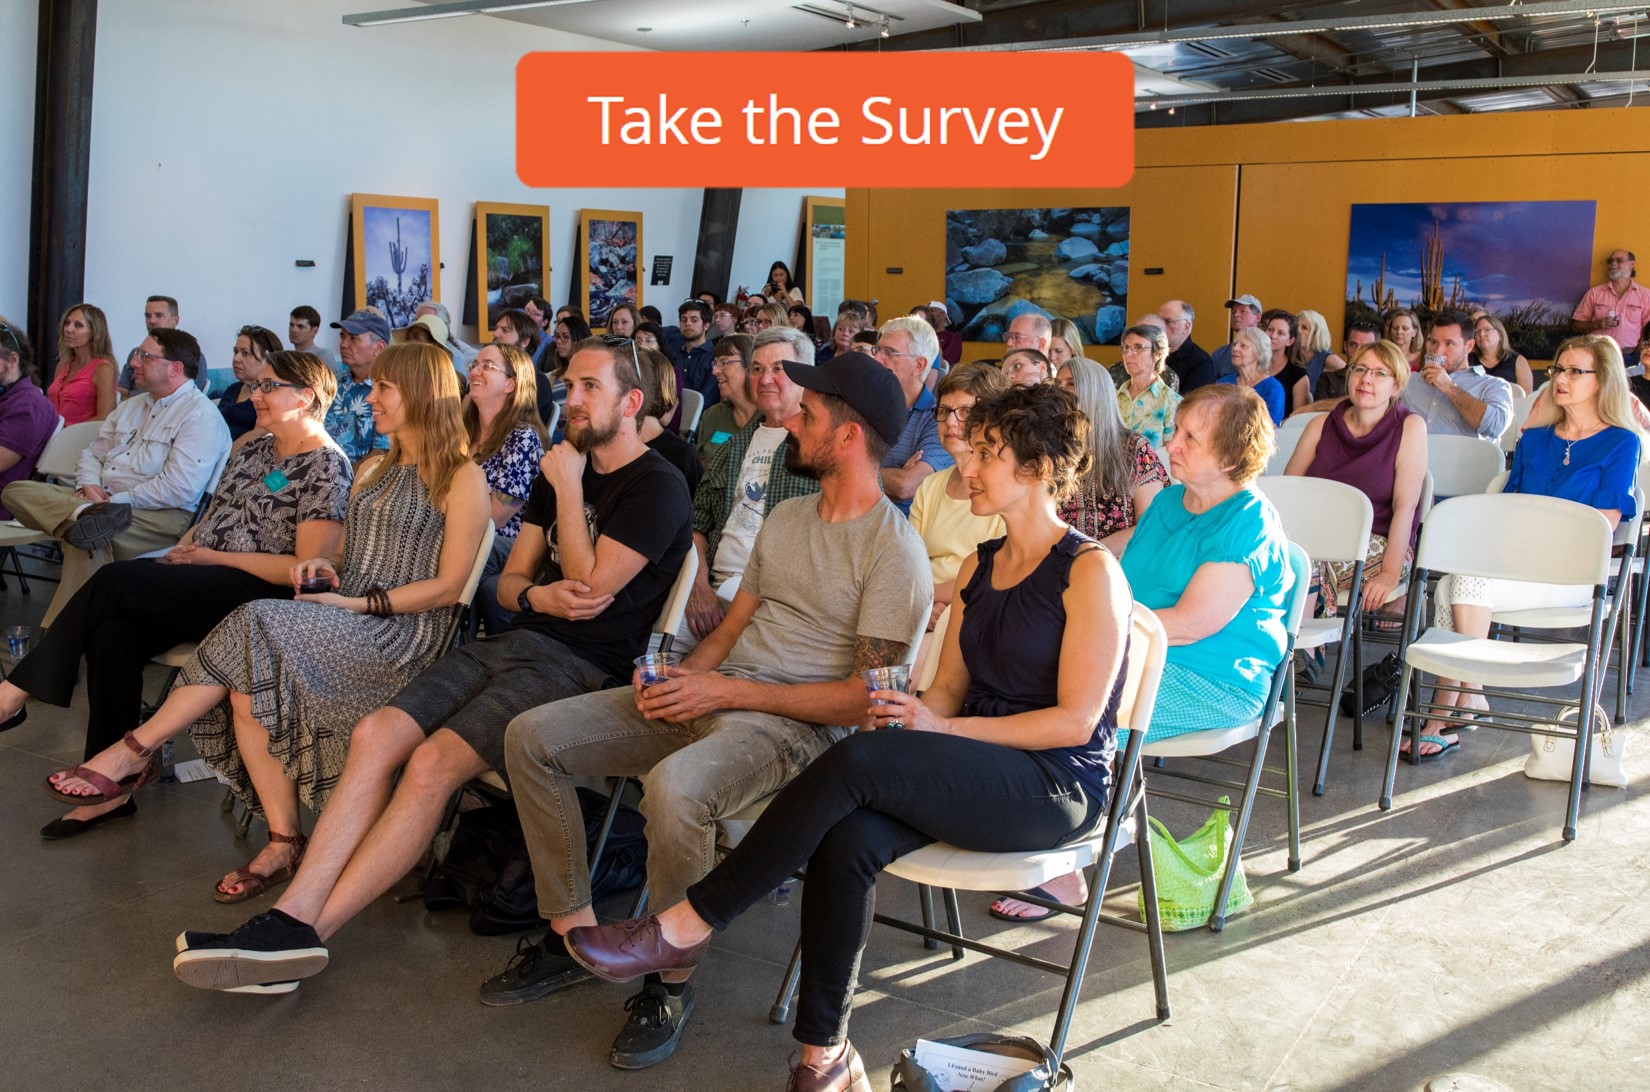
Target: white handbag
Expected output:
[1551,759]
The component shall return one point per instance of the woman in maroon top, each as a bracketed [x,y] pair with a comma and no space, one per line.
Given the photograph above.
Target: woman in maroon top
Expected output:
[1372,443]
[27,419]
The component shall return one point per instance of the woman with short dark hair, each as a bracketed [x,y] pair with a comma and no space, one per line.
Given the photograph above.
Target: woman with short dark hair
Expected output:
[27,418]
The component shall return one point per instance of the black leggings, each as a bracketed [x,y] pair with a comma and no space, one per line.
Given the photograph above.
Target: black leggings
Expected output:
[869,800]
[126,614]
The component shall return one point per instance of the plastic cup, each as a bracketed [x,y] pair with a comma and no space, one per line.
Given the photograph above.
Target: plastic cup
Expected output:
[17,640]
[897,677]
[315,585]
[655,666]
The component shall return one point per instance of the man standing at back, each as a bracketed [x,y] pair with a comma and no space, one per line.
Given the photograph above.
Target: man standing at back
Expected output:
[837,583]
[1619,307]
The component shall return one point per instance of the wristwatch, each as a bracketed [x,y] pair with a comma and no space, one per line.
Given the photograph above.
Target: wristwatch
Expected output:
[521,601]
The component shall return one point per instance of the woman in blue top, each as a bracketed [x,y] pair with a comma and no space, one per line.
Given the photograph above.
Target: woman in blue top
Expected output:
[1252,357]
[1210,557]
[1027,736]
[1589,454]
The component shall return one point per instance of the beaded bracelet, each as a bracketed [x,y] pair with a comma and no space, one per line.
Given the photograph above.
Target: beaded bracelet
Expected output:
[378,602]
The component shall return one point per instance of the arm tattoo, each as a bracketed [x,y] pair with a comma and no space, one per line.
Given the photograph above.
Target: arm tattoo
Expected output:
[872,652]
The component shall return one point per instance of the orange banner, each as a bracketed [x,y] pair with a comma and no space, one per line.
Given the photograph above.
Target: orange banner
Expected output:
[1053,120]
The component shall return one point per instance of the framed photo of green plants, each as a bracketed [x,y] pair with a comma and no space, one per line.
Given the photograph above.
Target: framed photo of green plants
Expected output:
[512,259]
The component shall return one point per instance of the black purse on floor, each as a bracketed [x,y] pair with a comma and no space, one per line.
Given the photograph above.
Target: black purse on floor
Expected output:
[1380,683]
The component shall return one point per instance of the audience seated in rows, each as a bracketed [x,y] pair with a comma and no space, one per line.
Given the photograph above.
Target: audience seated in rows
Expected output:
[1123,473]
[1251,356]
[302,326]
[907,347]
[1027,367]
[1402,327]
[1191,365]
[280,500]
[1589,454]
[517,329]
[733,408]
[751,472]
[659,402]
[83,383]
[1282,331]
[586,607]
[1454,397]
[507,440]
[698,353]
[159,313]
[1036,727]
[138,484]
[942,511]
[271,694]
[1370,441]
[28,420]
[253,346]
[362,337]
[1146,400]
[1243,313]
[1493,352]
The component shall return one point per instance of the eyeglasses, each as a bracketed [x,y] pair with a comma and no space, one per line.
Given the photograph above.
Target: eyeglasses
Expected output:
[270,386]
[1557,372]
[882,352]
[942,414]
[151,357]
[1019,339]
[251,331]
[722,363]
[489,366]
[1136,349]
[1358,371]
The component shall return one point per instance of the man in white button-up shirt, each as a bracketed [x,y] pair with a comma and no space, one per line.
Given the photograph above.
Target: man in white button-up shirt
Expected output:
[140,481]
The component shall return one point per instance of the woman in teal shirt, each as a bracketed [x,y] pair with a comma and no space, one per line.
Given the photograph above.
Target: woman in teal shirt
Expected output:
[1211,559]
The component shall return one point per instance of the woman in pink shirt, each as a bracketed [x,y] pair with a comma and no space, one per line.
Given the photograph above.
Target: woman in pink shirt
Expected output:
[83,388]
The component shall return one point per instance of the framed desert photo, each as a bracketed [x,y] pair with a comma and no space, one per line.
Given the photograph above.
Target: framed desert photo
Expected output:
[512,258]
[396,245]
[610,260]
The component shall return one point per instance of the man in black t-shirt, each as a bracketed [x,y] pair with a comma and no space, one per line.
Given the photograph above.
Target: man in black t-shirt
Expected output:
[604,532]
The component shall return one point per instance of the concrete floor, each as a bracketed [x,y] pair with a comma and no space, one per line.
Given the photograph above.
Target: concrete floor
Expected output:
[1455,934]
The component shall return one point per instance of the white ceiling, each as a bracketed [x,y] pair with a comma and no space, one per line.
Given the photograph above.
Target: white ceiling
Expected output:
[724,25]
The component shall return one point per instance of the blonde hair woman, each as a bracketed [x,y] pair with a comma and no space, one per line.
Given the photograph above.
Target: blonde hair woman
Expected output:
[1315,354]
[1589,454]
[1493,351]
[507,438]
[272,693]
[1402,327]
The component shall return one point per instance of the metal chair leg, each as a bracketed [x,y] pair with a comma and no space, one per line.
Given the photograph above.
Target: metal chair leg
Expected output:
[781,1010]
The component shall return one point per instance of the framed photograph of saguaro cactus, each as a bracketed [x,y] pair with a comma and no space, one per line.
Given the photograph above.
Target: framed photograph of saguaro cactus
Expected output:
[512,256]
[610,262]
[396,244]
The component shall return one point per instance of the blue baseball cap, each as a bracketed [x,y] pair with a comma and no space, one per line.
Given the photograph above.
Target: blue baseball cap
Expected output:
[368,320]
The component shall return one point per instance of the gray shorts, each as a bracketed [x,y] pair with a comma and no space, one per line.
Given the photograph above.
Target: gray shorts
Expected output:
[477,688]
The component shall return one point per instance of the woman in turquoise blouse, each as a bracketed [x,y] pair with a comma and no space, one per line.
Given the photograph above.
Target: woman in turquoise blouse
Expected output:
[1211,559]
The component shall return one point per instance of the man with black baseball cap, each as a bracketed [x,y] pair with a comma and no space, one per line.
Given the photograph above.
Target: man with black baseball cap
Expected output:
[837,583]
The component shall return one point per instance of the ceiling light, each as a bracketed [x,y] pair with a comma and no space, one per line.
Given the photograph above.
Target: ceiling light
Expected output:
[850,24]
[885,26]
[450,11]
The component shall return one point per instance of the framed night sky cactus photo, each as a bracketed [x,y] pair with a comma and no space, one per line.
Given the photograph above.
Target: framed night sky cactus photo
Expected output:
[395,254]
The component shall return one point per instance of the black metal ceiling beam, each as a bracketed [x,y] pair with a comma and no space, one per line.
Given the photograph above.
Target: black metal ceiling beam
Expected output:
[1056,19]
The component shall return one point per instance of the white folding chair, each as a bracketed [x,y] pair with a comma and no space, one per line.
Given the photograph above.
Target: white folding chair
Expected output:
[1522,404]
[59,459]
[1288,437]
[555,419]
[1517,537]
[1331,521]
[1461,465]
[1210,742]
[693,405]
[951,869]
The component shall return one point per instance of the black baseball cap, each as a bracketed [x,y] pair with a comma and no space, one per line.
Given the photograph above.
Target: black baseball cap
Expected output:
[860,381]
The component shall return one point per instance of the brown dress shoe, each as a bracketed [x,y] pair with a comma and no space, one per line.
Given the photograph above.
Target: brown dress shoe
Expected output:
[629,949]
[846,1074]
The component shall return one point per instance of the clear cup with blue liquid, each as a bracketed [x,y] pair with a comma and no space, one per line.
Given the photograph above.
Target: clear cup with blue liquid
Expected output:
[656,667]
[896,677]
[17,641]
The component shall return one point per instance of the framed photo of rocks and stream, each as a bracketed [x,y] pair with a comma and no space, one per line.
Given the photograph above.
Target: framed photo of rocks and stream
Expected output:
[511,249]
[1064,262]
[610,258]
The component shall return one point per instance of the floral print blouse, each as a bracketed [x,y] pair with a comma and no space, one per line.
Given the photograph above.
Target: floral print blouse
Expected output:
[262,498]
[510,472]
[1150,414]
[1098,516]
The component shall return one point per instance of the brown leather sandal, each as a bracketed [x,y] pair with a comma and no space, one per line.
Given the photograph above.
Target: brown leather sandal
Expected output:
[252,884]
[107,789]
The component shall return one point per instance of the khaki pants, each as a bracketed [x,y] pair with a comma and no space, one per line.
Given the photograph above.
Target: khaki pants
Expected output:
[50,509]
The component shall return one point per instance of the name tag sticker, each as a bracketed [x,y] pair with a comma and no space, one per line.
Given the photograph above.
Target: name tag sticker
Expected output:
[720,437]
[276,481]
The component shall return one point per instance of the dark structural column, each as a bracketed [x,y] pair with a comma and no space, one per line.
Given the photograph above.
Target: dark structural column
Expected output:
[62,158]
[718,225]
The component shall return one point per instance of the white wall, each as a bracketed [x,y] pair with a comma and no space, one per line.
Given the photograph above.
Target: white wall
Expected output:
[228,137]
[19,31]
[770,225]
